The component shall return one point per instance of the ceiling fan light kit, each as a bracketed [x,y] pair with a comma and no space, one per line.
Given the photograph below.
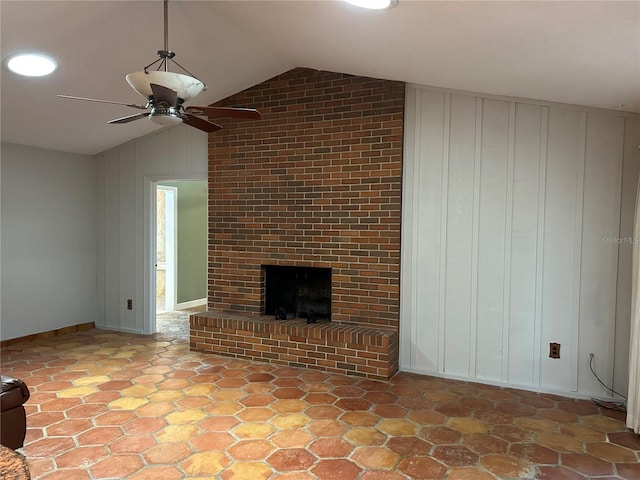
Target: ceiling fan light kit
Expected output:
[186,87]
[166,119]
[167,91]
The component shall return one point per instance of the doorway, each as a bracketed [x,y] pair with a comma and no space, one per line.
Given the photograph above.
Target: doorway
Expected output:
[180,254]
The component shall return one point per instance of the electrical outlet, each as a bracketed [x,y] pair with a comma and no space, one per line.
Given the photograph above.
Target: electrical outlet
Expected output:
[129,304]
[554,350]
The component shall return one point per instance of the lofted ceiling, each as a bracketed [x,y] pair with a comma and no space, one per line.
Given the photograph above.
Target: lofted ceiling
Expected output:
[585,53]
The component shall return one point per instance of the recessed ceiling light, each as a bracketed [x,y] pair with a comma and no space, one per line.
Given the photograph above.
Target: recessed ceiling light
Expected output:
[372,4]
[32,64]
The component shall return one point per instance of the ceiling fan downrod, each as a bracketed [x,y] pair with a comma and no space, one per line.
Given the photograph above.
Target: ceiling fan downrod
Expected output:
[166,55]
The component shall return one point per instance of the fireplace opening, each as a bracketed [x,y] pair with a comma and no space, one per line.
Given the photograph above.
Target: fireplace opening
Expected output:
[297,292]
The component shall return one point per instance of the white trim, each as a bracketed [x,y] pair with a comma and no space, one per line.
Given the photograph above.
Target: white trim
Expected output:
[192,304]
[171,246]
[149,257]
[112,328]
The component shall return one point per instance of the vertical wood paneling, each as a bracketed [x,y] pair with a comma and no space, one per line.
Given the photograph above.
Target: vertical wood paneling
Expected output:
[630,173]
[562,173]
[509,203]
[475,240]
[540,249]
[444,207]
[151,156]
[197,151]
[112,239]
[427,180]
[506,295]
[491,232]
[524,239]
[603,172]
[408,248]
[127,220]
[459,234]
[100,242]
[178,150]
[155,155]
[126,216]
[577,251]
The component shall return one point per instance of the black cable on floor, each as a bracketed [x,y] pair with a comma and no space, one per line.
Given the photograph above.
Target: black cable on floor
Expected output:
[620,406]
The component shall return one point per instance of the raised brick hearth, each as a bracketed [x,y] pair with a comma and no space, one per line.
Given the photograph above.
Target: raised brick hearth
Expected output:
[333,347]
[315,183]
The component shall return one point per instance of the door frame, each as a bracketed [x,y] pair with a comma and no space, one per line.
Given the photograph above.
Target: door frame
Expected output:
[150,246]
[171,246]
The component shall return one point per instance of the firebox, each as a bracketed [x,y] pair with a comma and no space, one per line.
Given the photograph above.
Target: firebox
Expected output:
[297,292]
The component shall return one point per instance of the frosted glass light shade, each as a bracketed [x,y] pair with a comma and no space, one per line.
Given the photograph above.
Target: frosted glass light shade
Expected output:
[186,86]
[165,119]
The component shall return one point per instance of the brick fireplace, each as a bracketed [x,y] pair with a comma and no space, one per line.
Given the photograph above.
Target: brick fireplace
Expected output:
[316,184]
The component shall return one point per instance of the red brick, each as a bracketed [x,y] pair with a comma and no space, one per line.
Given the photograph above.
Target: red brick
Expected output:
[332,162]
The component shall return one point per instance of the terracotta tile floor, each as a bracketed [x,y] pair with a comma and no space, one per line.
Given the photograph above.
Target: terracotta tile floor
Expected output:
[107,405]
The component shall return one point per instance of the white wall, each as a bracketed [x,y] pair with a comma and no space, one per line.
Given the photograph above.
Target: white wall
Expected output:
[512,213]
[125,197]
[48,240]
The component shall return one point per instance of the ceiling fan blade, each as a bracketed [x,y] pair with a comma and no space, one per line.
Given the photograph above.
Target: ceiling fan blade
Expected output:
[130,118]
[132,105]
[200,123]
[164,94]
[248,113]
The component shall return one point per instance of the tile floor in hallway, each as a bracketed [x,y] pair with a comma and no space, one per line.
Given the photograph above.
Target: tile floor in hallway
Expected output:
[108,405]
[174,324]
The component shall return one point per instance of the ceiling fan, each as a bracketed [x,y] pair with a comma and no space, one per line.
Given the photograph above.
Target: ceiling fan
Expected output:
[167,91]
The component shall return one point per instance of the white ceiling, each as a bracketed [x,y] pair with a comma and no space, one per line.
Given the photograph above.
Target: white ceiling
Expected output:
[585,53]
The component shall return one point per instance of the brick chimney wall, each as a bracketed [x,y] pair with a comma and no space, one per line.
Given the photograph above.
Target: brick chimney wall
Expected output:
[315,183]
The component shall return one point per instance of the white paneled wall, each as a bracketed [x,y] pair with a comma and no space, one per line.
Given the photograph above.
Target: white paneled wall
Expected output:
[125,198]
[515,215]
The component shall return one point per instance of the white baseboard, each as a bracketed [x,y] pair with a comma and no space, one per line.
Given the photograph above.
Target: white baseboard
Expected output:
[113,328]
[530,388]
[191,304]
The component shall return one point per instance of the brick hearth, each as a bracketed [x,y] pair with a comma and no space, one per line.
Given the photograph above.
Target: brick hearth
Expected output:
[329,346]
[315,183]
